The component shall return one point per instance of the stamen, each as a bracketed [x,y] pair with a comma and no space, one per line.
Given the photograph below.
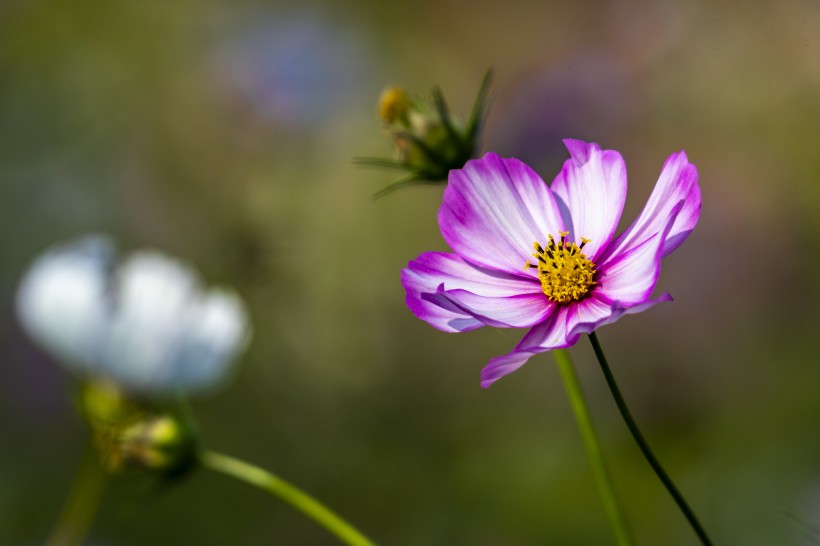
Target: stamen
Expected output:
[566,274]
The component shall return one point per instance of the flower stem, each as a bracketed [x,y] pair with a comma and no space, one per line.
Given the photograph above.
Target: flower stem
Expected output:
[82,503]
[647,452]
[576,397]
[257,477]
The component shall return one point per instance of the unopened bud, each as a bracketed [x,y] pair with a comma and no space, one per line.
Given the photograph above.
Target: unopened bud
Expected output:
[429,140]
[160,443]
[394,105]
[127,433]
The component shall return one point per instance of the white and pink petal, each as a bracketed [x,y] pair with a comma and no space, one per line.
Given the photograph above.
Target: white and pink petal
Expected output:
[494,209]
[439,312]
[552,333]
[549,334]
[630,276]
[678,182]
[592,188]
[616,311]
[503,365]
[520,311]
[459,274]
[561,329]
[455,296]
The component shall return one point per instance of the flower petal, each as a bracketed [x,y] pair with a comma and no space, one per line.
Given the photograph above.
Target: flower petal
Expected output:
[493,211]
[166,334]
[630,277]
[561,333]
[552,329]
[145,325]
[678,182]
[616,311]
[217,330]
[503,365]
[549,334]
[520,311]
[155,296]
[62,300]
[560,329]
[455,296]
[592,187]
[459,274]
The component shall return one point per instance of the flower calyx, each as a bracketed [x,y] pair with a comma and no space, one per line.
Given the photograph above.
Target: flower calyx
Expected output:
[129,434]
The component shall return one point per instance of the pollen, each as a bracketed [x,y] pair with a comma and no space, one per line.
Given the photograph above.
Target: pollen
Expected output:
[566,274]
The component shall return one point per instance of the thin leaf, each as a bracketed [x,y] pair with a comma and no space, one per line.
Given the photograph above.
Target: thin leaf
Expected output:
[480,106]
[381,162]
[444,115]
[404,182]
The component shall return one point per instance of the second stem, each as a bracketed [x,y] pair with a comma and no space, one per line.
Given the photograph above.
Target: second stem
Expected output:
[258,477]
[579,406]
[644,445]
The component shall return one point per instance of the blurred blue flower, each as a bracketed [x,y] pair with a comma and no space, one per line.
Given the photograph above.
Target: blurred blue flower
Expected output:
[297,69]
[145,323]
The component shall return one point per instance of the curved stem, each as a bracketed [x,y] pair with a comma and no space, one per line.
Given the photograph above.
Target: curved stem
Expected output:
[257,477]
[605,488]
[82,503]
[647,452]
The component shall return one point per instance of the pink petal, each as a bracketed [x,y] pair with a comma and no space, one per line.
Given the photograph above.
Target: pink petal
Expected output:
[503,365]
[678,182]
[520,311]
[493,211]
[459,274]
[550,334]
[592,186]
[616,311]
[630,277]
[424,275]
[560,332]
[561,329]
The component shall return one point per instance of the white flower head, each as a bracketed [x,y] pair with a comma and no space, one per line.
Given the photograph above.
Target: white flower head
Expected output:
[145,324]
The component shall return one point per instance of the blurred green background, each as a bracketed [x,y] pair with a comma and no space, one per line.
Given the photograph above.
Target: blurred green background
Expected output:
[223,132]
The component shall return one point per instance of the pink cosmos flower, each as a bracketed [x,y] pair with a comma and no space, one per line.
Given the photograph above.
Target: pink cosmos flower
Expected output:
[528,255]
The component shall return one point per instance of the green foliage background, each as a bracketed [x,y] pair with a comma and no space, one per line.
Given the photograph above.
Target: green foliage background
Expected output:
[137,119]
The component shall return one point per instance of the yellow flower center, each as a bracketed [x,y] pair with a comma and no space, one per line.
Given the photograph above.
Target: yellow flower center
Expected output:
[566,274]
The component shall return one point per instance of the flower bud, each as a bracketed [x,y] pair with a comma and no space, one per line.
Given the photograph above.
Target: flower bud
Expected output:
[127,433]
[429,141]
[394,105]
[159,443]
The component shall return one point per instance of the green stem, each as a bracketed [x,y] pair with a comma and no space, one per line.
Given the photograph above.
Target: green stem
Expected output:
[647,452]
[576,397]
[82,503]
[257,477]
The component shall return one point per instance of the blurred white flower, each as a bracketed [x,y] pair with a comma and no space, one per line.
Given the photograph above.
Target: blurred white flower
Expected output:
[145,324]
